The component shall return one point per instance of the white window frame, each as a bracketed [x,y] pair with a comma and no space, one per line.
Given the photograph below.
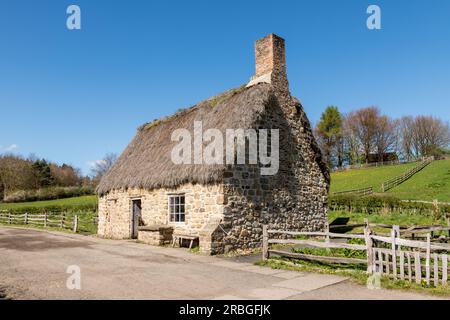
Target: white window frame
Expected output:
[180,205]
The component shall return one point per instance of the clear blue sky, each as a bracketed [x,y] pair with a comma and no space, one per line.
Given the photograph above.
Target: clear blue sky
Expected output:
[72,96]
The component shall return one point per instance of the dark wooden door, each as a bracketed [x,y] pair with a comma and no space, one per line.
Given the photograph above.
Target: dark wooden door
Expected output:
[136,214]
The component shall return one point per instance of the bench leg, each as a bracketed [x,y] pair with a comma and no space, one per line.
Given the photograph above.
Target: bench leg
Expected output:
[174,241]
[190,245]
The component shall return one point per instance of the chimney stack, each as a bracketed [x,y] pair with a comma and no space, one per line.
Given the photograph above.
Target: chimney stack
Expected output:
[270,60]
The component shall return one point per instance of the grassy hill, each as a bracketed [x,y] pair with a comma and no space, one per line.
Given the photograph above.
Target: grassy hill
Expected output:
[362,178]
[433,182]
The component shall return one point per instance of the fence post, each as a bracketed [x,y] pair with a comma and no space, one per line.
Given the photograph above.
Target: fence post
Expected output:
[448,225]
[45,220]
[9,217]
[444,269]
[75,223]
[26,218]
[265,244]
[427,260]
[369,245]
[394,250]
[63,215]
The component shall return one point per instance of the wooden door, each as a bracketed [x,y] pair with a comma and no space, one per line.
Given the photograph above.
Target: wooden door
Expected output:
[135,216]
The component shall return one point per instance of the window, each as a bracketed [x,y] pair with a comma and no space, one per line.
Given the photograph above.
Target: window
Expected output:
[177,211]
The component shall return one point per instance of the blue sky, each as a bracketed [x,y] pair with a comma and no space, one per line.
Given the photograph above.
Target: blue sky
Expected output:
[73,96]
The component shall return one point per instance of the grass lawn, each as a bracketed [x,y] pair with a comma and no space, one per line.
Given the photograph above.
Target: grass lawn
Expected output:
[78,203]
[369,177]
[433,182]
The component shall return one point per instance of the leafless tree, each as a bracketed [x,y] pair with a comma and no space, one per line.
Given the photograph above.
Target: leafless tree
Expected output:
[406,138]
[386,136]
[429,135]
[102,166]
[363,125]
[351,145]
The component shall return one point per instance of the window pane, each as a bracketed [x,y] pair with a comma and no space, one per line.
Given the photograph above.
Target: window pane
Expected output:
[177,218]
[172,218]
[177,200]
[182,209]
[182,200]
[172,200]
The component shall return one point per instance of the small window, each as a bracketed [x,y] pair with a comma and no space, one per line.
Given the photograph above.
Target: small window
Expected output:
[177,211]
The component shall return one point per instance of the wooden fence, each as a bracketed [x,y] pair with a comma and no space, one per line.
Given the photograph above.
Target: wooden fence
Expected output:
[361,192]
[391,255]
[392,183]
[45,220]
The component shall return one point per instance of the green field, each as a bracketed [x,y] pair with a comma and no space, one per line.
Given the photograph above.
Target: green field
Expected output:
[362,178]
[79,203]
[433,182]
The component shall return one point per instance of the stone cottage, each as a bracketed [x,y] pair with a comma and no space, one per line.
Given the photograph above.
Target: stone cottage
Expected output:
[145,195]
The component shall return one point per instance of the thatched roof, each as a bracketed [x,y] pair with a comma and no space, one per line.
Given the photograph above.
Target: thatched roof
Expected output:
[146,162]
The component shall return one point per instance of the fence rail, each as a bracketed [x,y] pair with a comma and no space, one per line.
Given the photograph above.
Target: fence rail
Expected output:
[392,255]
[361,192]
[392,183]
[45,220]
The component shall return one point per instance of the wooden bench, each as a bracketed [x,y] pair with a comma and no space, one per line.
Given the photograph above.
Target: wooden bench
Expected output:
[180,237]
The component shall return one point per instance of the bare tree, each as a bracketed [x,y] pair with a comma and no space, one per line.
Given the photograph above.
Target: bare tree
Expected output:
[429,135]
[363,125]
[385,138]
[102,166]
[406,137]
[351,145]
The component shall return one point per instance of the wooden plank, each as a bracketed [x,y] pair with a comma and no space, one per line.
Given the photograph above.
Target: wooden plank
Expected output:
[75,224]
[436,270]
[316,244]
[394,250]
[265,244]
[417,268]
[347,226]
[318,258]
[402,265]
[420,244]
[386,256]
[369,250]
[427,260]
[380,262]
[409,267]
[444,269]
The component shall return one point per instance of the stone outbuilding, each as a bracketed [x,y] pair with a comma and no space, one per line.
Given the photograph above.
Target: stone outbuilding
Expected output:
[148,196]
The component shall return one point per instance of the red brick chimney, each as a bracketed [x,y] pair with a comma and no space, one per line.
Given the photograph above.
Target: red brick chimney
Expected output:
[270,61]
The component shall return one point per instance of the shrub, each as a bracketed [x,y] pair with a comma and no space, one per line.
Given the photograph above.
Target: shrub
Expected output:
[379,203]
